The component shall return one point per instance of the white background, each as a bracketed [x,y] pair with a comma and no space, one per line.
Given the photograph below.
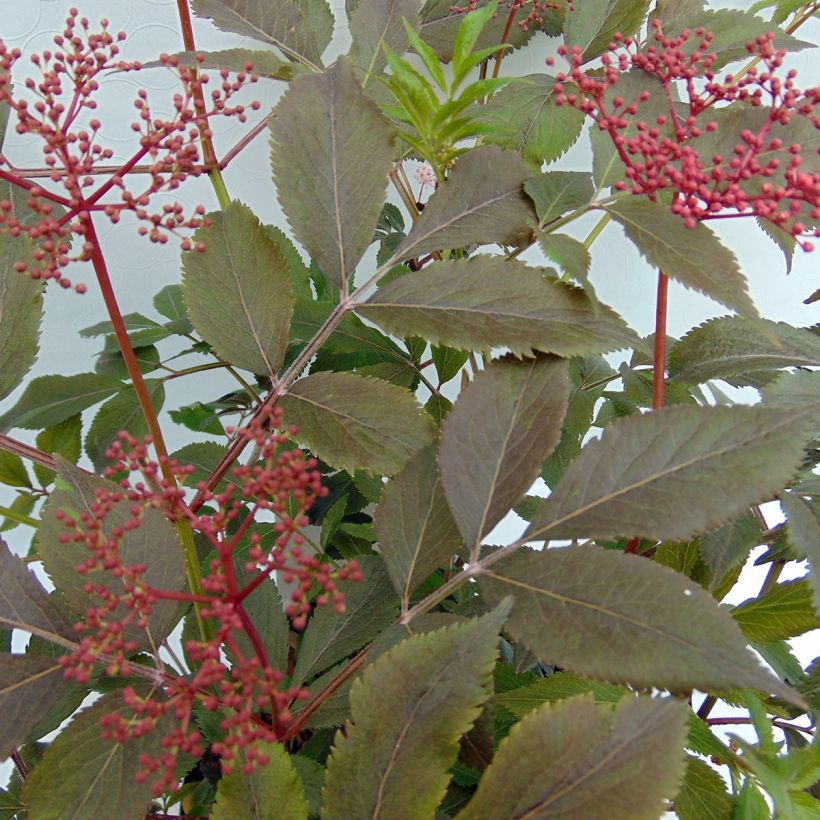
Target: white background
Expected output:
[140,269]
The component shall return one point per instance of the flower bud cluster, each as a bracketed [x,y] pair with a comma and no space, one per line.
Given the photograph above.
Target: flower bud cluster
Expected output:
[674,136]
[79,184]
[231,673]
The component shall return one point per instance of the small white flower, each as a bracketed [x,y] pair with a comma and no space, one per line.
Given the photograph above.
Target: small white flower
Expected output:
[425,175]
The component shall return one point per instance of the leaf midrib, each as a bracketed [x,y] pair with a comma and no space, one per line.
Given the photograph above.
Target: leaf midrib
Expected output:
[661,474]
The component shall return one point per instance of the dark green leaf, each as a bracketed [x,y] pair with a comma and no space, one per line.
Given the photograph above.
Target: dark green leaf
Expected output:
[49,400]
[270,792]
[199,417]
[25,605]
[557,192]
[409,710]
[238,290]
[29,687]
[558,686]
[574,758]
[85,777]
[785,611]
[21,311]
[624,619]
[356,422]
[12,470]
[732,345]
[498,434]
[591,26]
[370,605]
[415,527]
[374,24]
[693,256]
[332,151]
[489,301]
[312,775]
[111,362]
[62,439]
[121,412]
[703,795]
[480,202]
[523,117]
[448,362]
[626,483]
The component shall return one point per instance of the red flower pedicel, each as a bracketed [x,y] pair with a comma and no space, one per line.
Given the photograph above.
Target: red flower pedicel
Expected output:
[246,689]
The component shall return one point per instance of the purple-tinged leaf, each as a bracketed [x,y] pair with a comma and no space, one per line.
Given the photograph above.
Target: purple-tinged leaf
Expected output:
[675,473]
[623,619]
[503,427]
[355,422]
[332,151]
[481,202]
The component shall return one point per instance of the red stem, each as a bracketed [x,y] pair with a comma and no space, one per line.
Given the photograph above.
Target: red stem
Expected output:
[121,332]
[659,359]
[24,183]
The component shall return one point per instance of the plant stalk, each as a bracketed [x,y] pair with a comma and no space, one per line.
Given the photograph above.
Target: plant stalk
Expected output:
[211,162]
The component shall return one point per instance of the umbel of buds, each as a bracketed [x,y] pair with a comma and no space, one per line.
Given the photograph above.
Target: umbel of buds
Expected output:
[56,216]
[242,686]
[675,138]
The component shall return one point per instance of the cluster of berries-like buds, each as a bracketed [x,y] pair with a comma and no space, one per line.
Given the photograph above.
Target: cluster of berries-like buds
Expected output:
[230,671]
[676,134]
[535,10]
[56,213]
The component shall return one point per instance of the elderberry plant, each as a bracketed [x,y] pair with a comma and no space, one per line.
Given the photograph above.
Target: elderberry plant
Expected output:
[311,613]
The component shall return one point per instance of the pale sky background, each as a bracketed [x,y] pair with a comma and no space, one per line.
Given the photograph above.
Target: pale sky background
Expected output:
[140,269]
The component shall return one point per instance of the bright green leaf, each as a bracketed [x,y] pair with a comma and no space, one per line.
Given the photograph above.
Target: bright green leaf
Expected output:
[49,400]
[784,611]
[703,795]
[524,117]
